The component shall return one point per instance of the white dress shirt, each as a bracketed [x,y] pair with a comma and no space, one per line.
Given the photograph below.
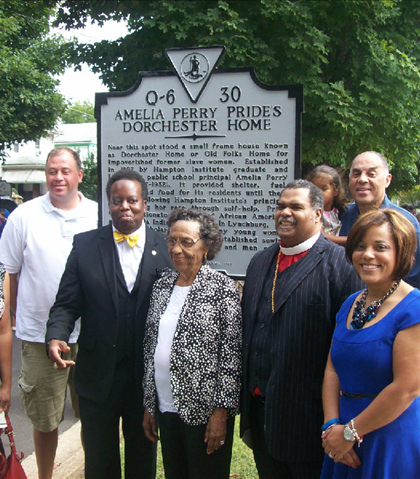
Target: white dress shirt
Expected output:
[130,257]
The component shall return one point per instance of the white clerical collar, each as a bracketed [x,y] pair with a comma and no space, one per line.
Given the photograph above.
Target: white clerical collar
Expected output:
[302,247]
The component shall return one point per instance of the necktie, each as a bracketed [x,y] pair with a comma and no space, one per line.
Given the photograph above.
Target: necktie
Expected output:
[131,239]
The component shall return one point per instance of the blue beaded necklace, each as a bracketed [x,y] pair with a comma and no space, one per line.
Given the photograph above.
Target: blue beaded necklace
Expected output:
[362,315]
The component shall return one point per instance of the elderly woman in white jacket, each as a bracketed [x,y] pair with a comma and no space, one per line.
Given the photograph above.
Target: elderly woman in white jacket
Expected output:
[192,354]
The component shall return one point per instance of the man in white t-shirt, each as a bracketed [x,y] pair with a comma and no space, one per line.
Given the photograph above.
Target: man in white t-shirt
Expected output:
[34,248]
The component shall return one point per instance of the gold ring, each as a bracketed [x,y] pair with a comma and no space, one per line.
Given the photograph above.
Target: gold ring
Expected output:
[55,366]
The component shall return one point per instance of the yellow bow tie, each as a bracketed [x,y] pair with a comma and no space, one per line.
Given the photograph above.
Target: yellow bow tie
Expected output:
[131,239]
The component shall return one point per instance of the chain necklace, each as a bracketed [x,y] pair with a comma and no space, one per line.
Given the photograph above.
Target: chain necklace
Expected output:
[273,289]
[362,315]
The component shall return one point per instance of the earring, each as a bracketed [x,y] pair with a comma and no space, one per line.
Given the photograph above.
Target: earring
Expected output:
[205,256]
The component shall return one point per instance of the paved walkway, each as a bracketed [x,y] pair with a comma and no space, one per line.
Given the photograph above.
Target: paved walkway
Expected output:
[69,458]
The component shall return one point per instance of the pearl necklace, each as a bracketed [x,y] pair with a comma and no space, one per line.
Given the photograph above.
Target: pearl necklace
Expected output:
[362,315]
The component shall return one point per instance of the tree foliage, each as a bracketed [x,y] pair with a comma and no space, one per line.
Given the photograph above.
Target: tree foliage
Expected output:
[411,196]
[357,59]
[79,112]
[89,185]
[29,101]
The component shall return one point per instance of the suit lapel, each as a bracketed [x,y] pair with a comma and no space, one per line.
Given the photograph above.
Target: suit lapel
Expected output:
[107,253]
[258,279]
[147,265]
[293,276]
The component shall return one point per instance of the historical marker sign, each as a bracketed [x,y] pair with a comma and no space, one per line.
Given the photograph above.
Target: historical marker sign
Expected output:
[215,139]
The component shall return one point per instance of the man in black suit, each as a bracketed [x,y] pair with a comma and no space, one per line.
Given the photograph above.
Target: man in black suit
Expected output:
[107,282]
[291,296]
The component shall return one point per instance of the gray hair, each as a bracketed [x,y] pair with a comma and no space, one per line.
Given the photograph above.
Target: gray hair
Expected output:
[381,157]
[316,198]
[209,229]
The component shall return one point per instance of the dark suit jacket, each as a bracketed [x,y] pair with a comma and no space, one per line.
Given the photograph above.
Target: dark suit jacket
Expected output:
[88,289]
[309,294]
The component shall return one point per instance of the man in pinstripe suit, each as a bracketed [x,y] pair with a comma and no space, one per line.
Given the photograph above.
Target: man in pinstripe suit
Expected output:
[290,299]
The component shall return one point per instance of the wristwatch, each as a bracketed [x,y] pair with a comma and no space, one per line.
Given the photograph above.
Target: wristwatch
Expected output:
[348,433]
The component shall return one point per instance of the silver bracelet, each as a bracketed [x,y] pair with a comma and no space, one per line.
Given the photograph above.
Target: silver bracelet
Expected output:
[354,432]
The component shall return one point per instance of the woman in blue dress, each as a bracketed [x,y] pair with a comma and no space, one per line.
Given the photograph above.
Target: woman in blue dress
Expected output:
[372,378]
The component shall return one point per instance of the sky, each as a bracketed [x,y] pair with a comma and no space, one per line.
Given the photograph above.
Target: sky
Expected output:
[82,85]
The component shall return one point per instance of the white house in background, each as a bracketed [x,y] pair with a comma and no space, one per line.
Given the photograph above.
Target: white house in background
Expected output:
[80,137]
[36,149]
[24,166]
[27,175]
[24,163]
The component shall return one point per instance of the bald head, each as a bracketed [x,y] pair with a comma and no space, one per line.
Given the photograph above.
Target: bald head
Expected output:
[374,153]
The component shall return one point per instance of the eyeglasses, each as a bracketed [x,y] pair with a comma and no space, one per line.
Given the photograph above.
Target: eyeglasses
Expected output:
[185,243]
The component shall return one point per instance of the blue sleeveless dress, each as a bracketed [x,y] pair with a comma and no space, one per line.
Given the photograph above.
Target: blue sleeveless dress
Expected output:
[363,361]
